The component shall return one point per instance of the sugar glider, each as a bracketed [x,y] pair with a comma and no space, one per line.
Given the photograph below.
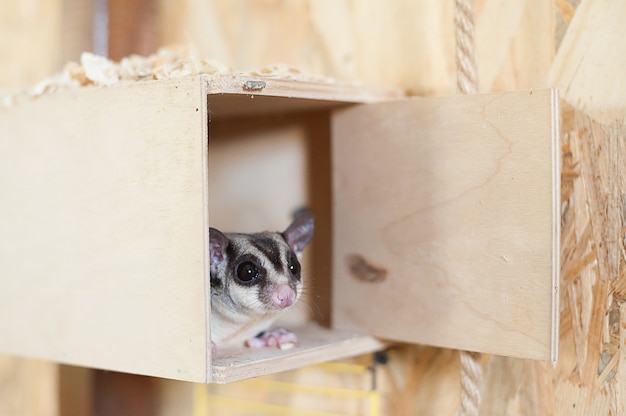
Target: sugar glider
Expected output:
[255,278]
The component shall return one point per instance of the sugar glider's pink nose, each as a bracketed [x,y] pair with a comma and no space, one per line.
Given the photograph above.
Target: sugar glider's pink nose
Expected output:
[283,296]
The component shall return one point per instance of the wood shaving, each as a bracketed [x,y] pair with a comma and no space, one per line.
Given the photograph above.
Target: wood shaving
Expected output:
[167,63]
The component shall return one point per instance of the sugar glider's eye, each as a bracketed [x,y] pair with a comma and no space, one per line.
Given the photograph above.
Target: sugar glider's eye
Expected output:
[247,272]
[294,265]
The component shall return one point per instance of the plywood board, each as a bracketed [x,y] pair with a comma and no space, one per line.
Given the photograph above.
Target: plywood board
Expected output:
[250,96]
[315,345]
[589,65]
[446,222]
[102,228]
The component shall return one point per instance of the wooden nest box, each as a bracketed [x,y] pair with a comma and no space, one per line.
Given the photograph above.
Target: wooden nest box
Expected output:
[443,223]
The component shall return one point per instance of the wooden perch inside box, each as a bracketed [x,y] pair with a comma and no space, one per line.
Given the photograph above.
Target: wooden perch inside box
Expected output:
[107,195]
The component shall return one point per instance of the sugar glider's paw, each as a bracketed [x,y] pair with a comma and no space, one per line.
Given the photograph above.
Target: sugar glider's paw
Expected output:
[278,337]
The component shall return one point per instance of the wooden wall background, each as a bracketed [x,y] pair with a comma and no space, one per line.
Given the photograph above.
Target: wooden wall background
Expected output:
[577,46]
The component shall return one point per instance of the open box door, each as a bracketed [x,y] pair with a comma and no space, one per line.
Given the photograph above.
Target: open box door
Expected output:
[446,222]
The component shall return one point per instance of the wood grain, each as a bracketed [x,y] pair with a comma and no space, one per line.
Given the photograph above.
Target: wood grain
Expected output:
[132,28]
[457,199]
[31,41]
[404,44]
[620,377]
[77,29]
[102,244]
[76,391]
[512,59]
[29,387]
[588,67]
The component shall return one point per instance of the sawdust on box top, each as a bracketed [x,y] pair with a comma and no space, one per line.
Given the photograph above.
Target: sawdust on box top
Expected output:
[167,63]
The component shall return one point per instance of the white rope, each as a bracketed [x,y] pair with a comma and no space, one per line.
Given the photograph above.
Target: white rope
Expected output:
[471,379]
[467,83]
[466,72]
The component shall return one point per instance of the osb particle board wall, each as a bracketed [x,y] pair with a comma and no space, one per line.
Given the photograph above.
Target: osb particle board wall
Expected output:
[578,48]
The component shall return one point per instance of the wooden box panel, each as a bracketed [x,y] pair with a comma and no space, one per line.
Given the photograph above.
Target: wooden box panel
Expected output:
[446,216]
[103,226]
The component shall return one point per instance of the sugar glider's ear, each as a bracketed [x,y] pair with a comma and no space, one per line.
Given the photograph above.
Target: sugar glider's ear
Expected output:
[218,243]
[300,231]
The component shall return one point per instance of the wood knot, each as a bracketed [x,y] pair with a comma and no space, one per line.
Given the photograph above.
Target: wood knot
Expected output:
[364,271]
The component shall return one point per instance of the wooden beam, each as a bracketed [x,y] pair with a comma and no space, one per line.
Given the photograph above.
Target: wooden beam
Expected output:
[28,387]
[132,28]
[589,66]
[76,391]
[31,41]
[124,394]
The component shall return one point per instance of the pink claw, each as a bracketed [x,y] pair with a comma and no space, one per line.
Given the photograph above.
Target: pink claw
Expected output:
[278,337]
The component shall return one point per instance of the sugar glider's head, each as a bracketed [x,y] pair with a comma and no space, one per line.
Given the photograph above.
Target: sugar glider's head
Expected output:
[259,274]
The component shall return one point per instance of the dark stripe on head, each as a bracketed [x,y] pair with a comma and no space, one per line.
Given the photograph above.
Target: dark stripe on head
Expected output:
[270,249]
